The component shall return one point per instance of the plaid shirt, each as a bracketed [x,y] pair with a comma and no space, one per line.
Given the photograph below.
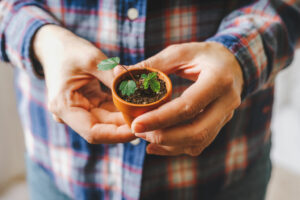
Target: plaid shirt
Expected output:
[261,34]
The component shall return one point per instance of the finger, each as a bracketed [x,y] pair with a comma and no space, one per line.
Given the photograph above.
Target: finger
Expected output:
[162,61]
[170,59]
[192,102]
[194,150]
[93,93]
[164,150]
[105,77]
[110,134]
[109,105]
[173,151]
[57,119]
[107,117]
[118,70]
[201,131]
[191,73]
[94,131]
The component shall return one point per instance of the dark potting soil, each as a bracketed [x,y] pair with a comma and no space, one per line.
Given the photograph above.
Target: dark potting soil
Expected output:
[142,96]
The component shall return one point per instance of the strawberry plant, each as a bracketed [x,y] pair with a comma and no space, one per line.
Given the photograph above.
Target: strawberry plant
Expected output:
[128,87]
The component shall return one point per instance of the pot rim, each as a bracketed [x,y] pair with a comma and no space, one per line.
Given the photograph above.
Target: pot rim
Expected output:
[167,79]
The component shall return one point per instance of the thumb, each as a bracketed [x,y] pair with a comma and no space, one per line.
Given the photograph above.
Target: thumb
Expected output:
[118,70]
[165,61]
[105,77]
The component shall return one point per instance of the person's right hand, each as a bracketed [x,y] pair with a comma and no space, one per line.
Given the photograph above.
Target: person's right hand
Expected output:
[73,90]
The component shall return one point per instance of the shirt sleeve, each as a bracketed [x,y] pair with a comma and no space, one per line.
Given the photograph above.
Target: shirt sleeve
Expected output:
[19,21]
[262,36]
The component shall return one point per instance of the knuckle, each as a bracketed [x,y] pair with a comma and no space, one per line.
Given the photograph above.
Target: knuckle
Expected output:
[200,137]
[157,138]
[237,101]
[189,110]
[57,119]
[227,81]
[204,133]
[193,151]
[147,63]
[90,138]
[53,107]
[56,105]
[182,49]
[59,102]
[229,117]
[173,46]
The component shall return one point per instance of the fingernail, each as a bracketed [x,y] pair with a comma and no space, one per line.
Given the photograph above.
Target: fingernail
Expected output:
[141,135]
[138,128]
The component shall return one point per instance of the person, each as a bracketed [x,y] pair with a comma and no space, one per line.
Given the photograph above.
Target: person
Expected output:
[212,141]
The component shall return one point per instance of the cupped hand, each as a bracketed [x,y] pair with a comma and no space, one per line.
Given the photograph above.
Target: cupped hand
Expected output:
[73,89]
[189,123]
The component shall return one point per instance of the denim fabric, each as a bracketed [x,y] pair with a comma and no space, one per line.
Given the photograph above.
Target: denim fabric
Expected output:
[40,184]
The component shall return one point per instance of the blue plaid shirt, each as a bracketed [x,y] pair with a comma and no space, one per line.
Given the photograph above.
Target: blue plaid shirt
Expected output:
[261,34]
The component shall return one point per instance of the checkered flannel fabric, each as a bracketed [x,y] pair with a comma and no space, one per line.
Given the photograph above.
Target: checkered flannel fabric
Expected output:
[261,34]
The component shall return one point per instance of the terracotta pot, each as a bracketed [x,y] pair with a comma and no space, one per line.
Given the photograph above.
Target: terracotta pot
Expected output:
[130,110]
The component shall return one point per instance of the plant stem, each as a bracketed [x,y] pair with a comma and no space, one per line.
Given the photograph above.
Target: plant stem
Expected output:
[130,75]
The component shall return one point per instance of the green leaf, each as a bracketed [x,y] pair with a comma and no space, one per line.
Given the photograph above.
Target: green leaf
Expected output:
[150,79]
[144,76]
[146,83]
[127,87]
[122,85]
[152,75]
[108,64]
[155,85]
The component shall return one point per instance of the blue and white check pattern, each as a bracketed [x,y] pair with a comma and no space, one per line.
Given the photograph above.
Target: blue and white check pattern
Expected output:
[262,34]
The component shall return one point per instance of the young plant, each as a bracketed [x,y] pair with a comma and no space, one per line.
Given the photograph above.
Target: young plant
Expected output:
[128,87]
[151,80]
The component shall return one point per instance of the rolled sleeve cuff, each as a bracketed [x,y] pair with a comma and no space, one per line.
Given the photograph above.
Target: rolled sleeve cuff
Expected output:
[19,33]
[251,57]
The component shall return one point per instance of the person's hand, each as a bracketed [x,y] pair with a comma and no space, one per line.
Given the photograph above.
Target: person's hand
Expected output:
[73,89]
[205,107]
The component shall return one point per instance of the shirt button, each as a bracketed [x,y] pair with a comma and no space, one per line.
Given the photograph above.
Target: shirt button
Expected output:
[132,13]
[136,141]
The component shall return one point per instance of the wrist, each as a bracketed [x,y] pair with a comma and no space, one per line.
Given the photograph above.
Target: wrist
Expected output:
[230,61]
[235,69]
[49,38]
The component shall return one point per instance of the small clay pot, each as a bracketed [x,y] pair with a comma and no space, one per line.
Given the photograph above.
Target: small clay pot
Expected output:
[130,110]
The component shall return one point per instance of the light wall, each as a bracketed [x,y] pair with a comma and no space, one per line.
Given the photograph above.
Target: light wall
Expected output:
[286,118]
[11,136]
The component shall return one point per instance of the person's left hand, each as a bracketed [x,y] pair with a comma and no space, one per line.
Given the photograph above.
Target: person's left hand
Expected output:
[205,107]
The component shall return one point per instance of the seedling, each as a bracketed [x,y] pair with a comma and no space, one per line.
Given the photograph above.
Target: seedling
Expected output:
[151,80]
[128,87]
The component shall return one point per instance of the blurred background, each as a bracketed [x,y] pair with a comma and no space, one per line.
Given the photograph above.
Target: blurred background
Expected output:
[285,181]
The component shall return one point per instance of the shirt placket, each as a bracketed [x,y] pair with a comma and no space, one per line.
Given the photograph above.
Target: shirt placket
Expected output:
[131,30]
